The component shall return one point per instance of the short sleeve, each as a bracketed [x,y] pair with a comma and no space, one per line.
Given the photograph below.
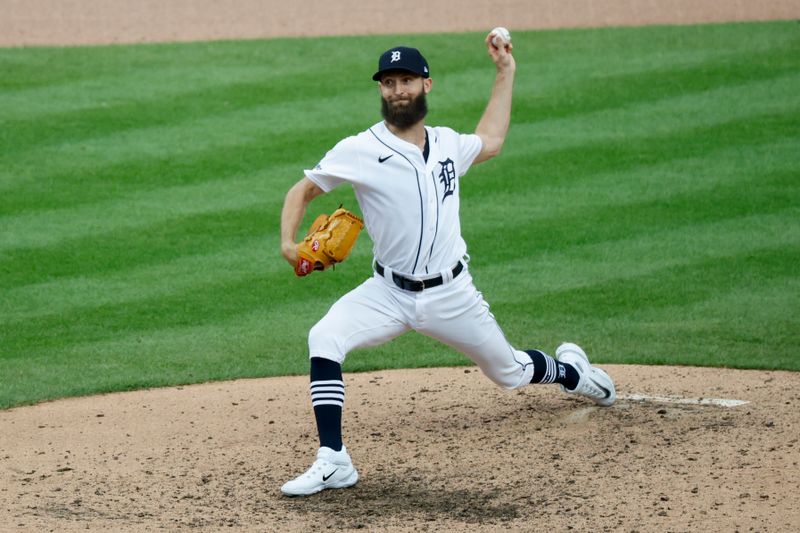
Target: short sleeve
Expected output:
[469,146]
[338,166]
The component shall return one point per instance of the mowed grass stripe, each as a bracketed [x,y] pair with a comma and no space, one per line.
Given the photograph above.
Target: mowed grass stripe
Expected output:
[173,228]
[191,320]
[162,233]
[770,193]
[246,345]
[55,80]
[631,319]
[68,185]
[541,194]
[268,124]
[228,103]
[201,305]
[673,115]
[169,98]
[130,131]
[736,311]
[601,77]
[207,301]
[241,258]
[195,107]
[216,300]
[50,80]
[545,93]
[193,346]
[674,45]
[639,152]
[684,211]
[554,269]
[751,325]
[188,354]
[148,212]
[640,253]
[745,130]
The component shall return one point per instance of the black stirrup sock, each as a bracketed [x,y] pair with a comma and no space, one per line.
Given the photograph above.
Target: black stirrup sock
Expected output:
[327,398]
[548,370]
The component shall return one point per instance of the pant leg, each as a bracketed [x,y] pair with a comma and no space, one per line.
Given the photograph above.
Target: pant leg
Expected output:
[457,315]
[368,315]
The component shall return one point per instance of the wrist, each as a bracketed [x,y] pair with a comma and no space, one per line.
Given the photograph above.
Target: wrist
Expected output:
[506,70]
[288,248]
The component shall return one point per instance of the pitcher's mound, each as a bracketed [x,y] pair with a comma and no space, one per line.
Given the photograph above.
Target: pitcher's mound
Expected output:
[437,450]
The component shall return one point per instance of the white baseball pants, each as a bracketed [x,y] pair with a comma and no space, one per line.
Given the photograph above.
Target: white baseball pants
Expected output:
[454,313]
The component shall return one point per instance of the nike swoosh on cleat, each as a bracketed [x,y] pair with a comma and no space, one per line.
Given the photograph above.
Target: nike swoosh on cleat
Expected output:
[608,392]
[326,478]
[383,159]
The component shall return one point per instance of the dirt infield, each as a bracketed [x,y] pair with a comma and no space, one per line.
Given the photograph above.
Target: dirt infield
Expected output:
[48,22]
[437,449]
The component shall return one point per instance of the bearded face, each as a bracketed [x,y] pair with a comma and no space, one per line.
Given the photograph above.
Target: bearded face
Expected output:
[404,112]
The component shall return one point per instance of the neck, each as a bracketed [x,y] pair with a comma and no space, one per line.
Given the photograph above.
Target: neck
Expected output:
[414,134]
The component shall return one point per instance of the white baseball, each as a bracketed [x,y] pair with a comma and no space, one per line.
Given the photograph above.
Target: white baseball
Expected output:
[501,36]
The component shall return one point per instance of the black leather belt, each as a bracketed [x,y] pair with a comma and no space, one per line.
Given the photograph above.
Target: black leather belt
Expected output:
[416,285]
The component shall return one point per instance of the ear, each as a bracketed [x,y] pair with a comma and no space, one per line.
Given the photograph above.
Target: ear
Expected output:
[427,85]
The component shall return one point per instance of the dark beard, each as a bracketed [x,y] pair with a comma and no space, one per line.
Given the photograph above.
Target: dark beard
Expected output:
[403,117]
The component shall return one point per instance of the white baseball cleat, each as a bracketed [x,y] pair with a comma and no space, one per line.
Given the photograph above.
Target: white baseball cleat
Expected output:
[331,470]
[594,383]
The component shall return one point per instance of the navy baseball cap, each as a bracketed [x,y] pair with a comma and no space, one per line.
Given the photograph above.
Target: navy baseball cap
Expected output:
[402,58]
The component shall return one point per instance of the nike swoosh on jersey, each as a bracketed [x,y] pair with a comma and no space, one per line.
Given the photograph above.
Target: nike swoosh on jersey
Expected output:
[383,159]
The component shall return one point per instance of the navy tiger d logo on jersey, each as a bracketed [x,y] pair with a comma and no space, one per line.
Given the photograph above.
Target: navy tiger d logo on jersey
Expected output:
[448,177]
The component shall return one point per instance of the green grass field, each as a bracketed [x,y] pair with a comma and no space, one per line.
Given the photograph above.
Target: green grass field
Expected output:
[646,205]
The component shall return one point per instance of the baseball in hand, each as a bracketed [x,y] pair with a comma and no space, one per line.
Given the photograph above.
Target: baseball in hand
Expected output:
[501,37]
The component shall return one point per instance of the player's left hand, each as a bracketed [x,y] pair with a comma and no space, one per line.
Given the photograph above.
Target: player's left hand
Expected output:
[328,242]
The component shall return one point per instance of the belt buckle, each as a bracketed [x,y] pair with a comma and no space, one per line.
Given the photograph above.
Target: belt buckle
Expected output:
[415,285]
[407,284]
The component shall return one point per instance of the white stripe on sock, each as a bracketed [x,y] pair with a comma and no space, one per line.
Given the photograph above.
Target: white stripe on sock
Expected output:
[327,392]
[334,394]
[550,372]
[338,382]
[317,390]
[326,402]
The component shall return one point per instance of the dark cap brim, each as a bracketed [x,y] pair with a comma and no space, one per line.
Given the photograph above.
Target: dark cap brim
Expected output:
[377,75]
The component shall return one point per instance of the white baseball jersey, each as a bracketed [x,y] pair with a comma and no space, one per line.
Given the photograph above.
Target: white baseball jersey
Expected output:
[410,206]
[410,209]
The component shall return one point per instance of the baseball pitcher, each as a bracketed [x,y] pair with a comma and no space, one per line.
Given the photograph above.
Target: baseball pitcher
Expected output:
[407,178]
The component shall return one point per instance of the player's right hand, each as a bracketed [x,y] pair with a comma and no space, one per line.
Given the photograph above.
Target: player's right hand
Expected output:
[502,57]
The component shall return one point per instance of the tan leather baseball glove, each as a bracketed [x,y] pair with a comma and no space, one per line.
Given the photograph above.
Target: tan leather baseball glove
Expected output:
[328,242]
